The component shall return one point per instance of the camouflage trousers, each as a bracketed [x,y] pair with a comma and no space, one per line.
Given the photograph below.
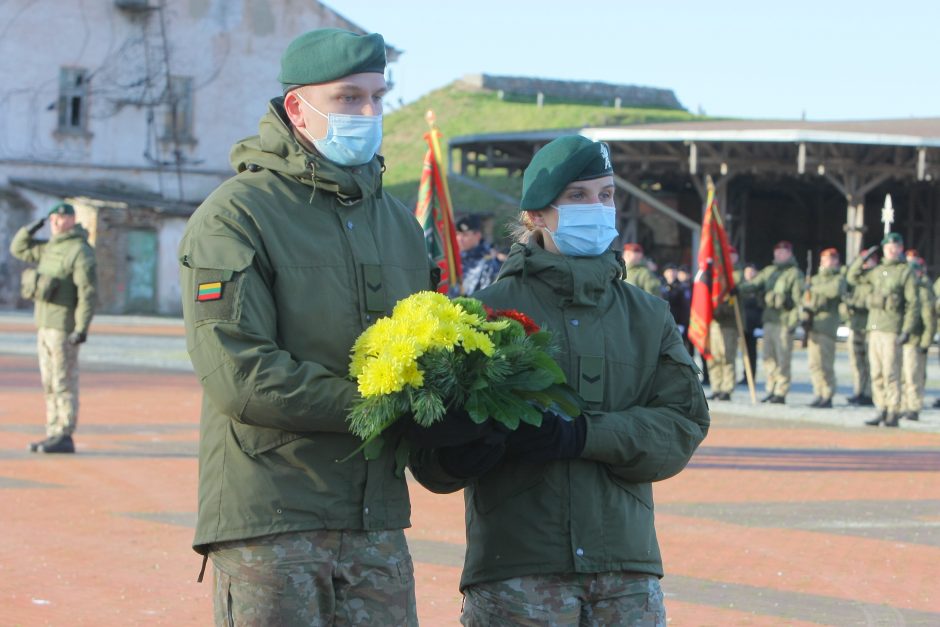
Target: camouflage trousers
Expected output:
[913,378]
[858,362]
[778,348]
[58,367]
[723,343]
[322,577]
[566,600]
[884,357]
[822,364]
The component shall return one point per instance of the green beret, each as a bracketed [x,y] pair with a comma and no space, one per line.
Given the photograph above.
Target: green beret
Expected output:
[328,54]
[560,162]
[892,237]
[62,209]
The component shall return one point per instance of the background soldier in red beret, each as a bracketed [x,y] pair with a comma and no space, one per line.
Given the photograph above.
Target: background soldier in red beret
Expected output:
[821,304]
[638,273]
[780,285]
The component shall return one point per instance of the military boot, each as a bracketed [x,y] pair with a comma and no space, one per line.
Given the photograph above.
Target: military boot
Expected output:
[58,444]
[891,420]
[825,403]
[911,415]
[878,419]
[865,401]
[34,446]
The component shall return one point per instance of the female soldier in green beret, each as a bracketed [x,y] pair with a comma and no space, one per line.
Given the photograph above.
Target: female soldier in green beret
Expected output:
[560,529]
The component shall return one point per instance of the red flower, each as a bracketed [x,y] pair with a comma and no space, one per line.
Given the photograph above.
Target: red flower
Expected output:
[527,323]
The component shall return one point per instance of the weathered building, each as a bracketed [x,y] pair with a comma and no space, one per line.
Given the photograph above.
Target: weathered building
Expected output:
[128,109]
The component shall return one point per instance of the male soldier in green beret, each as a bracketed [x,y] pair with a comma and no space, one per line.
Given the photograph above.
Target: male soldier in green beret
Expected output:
[780,285]
[821,302]
[856,316]
[892,312]
[282,268]
[64,288]
[723,341]
[914,351]
[638,272]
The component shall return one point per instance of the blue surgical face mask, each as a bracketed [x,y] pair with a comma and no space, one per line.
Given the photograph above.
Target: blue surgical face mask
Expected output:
[350,139]
[584,230]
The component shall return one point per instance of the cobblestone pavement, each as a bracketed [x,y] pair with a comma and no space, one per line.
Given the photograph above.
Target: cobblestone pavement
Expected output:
[786,515]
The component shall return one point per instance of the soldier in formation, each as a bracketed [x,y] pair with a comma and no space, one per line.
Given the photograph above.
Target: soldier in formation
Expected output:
[821,313]
[723,342]
[892,315]
[780,285]
[638,271]
[855,313]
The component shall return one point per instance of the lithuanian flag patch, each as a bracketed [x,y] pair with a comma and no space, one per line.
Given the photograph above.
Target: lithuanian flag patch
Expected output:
[209,291]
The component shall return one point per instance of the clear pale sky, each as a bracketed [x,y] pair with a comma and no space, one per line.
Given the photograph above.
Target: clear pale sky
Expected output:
[829,60]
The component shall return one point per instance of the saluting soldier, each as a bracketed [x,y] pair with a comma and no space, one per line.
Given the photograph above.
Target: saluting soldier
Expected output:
[914,351]
[821,304]
[64,286]
[723,342]
[856,317]
[638,272]
[780,285]
[892,313]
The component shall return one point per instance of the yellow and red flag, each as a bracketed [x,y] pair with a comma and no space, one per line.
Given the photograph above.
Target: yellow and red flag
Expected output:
[435,214]
[714,277]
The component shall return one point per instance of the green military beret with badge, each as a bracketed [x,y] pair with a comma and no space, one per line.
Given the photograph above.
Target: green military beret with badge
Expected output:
[62,209]
[560,162]
[328,54]
[892,238]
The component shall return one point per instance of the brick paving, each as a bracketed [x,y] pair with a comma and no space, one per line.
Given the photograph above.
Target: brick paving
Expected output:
[786,516]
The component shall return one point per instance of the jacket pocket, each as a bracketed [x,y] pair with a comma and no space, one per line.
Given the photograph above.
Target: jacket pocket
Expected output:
[29,283]
[257,440]
[642,492]
[47,287]
[512,479]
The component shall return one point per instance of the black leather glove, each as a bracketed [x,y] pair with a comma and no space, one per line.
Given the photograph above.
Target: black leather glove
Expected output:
[903,338]
[474,458]
[555,439]
[733,291]
[454,429]
[869,252]
[32,227]
[76,338]
[923,349]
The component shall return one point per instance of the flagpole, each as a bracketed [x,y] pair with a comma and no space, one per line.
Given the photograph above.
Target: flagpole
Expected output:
[736,305]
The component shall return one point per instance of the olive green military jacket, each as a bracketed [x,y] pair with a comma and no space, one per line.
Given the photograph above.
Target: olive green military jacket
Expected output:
[925,325]
[724,312]
[646,415]
[640,275]
[822,300]
[67,285]
[936,293]
[282,267]
[856,306]
[780,286]
[893,301]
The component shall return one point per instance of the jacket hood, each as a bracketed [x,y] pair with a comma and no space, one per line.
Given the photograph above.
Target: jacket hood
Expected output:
[577,280]
[76,232]
[275,148]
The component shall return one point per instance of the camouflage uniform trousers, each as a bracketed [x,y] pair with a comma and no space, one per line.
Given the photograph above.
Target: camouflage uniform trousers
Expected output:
[600,599]
[58,367]
[778,348]
[723,343]
[884,358]
[322,577]
[822,364]
[858,362]
[913,378]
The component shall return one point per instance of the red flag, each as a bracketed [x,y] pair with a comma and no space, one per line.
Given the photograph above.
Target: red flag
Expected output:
[714,277]
[435,215]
